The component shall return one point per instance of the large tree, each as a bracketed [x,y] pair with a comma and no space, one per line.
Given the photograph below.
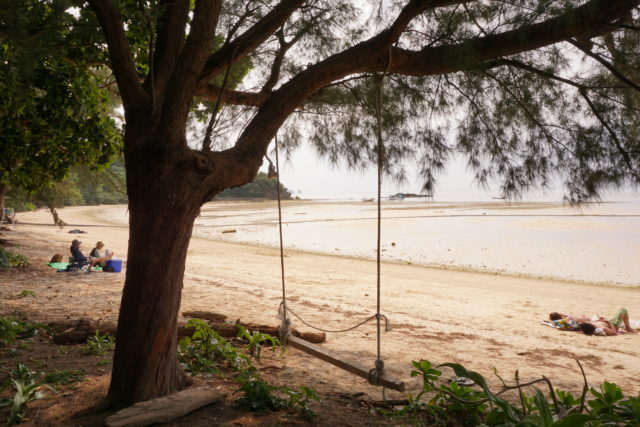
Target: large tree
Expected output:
[528,88]
[53,112]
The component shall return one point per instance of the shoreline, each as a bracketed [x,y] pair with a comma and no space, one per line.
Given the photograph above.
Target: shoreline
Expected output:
[444,267]
[477,319]
[108,222]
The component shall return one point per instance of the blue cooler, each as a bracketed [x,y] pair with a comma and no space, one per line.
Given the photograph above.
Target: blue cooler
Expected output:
[116,264]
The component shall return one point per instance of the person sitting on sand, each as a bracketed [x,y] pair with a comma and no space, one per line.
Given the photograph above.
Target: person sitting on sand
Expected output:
[79,258]
[596,325]
[100,254]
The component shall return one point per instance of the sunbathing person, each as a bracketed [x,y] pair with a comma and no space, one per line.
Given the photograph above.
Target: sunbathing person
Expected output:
[564,322]
[595,325]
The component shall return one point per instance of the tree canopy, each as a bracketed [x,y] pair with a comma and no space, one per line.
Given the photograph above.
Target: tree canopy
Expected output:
[53,113]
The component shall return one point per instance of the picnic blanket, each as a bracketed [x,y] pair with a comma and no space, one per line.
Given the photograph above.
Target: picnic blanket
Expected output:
[62,266]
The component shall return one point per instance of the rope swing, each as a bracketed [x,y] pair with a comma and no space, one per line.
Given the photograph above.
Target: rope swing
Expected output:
[376,375]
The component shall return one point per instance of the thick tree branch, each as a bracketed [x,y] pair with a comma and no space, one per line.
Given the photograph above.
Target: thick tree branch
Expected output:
[592,18]
[131,90]
[249,40]
[413,9]
[170,39]
[375,54]
[276,65]
[227,96]
[184,78]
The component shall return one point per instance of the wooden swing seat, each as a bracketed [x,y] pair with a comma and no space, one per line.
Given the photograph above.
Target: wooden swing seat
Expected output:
[348,365]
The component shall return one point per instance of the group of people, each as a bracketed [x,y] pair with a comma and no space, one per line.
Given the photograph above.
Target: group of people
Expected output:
[98,255]
[594,325]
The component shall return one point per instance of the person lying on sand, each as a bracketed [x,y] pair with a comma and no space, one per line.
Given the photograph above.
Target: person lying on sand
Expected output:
[594,325]
[564,322]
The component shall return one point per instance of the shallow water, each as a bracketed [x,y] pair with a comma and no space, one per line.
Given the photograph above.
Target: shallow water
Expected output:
[600,243]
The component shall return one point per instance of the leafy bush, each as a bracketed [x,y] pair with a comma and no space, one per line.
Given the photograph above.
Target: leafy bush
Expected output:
[260,396]
[12,329]
[205,350]
[9,260]
[26,293]
[451,404]
[256,339]
[26,390]
[299,400]
[257,395]
[99,344]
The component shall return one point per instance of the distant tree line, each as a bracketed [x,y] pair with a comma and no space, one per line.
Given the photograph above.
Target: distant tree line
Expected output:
[262,187]
[83,186]
[108,186]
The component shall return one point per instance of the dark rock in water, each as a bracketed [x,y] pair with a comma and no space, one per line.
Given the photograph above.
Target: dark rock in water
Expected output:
[76,231]
[400,196]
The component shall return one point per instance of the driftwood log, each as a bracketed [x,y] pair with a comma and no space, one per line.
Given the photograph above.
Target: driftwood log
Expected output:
[165,409]
[80,330]
[205,315]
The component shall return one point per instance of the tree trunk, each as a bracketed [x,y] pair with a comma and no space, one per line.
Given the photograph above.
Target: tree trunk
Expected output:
[3,191]
[164,200]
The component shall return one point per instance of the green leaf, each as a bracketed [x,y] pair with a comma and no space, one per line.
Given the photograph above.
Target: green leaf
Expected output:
[546,418]
[574,420]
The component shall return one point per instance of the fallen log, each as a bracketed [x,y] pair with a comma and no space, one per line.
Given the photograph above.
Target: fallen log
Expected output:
[79,331]
[165,409]
[228,330]
[206,315]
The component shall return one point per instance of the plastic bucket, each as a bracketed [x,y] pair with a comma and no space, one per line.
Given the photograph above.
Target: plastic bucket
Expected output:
[116,264]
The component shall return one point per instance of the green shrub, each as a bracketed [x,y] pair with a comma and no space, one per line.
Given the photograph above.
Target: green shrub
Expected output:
[259,396]
[205,350]
[26,293]
[256,339]
[9,260]
[99,344]
[26,390]
[451,404]
[12,329]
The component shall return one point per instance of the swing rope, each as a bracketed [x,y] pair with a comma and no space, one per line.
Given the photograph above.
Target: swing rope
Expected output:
[285,328]
[376,372]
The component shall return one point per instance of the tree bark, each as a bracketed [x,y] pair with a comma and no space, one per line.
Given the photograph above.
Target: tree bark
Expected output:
[164,200]
[3,191]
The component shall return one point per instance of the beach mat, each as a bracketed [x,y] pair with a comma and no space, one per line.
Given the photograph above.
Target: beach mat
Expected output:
[62,266]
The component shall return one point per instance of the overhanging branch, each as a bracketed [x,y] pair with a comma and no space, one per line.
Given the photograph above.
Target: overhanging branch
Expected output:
[592,18]
[249,40]
[124,69]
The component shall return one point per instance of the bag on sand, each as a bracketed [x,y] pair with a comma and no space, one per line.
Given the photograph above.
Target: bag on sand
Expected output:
[56,258]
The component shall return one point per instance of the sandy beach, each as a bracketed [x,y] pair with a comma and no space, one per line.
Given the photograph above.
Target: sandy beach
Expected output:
[482,320]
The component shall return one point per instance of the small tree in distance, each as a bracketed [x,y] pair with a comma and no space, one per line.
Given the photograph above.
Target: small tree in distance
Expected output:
[530,88]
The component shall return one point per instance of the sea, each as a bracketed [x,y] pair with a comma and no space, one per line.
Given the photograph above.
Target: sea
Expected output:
[541,237]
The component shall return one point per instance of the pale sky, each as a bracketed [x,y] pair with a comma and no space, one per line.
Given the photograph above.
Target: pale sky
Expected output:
[308,176]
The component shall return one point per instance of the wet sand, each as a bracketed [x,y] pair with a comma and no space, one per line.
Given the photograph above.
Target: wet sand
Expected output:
[482,320]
